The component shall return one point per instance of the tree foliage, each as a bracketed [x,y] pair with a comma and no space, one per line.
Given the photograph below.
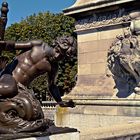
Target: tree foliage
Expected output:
[47,26]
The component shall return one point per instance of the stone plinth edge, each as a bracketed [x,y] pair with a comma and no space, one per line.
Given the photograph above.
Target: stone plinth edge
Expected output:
[129,130]
[75,9]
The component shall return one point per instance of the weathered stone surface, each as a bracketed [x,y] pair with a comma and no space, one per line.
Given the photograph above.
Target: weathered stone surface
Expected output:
[93,57]
[96,32]
[125,131]
[88,5]
[92,60]
[94,46]
[98,109]
[96,122]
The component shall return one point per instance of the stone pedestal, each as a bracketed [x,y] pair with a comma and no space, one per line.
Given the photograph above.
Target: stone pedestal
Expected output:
[98,22]
[97,115]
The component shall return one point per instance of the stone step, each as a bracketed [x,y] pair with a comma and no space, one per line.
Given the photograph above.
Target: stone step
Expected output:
[126,131]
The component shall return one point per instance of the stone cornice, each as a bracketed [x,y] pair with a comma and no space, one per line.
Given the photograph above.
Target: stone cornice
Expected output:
[75,9]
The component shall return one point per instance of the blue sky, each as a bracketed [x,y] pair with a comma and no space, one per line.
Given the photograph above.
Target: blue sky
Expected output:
[19,9]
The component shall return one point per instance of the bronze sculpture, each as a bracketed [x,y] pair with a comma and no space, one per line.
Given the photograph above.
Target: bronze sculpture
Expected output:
[40,59]
[20,111]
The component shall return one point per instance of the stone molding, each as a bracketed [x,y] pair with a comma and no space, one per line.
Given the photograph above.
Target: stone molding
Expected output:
[102,20]
[109,102]
[93,5]
[124,131]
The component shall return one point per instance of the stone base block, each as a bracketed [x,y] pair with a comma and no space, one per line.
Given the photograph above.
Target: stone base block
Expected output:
[94,114]
[128,131]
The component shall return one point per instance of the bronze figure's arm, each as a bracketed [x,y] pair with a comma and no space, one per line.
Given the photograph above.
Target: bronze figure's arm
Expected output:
[27,45]
[12,45]
[54,90]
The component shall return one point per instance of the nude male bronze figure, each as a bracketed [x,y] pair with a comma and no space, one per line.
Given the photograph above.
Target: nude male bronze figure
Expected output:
[40,59]
[21,107]
[20,111]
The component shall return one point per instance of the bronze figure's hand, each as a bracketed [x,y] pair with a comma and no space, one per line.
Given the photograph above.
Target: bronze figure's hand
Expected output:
[69,103]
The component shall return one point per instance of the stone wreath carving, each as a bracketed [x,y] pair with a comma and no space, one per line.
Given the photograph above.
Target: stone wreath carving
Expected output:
[124,59]
[103,20]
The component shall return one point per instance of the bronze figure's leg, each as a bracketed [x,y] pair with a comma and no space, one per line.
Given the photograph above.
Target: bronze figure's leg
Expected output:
[8,86]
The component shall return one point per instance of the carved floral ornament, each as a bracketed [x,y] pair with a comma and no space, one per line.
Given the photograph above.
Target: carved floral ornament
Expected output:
[103,19]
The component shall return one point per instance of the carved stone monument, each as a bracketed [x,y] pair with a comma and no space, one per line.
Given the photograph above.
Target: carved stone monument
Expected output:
[108,85]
